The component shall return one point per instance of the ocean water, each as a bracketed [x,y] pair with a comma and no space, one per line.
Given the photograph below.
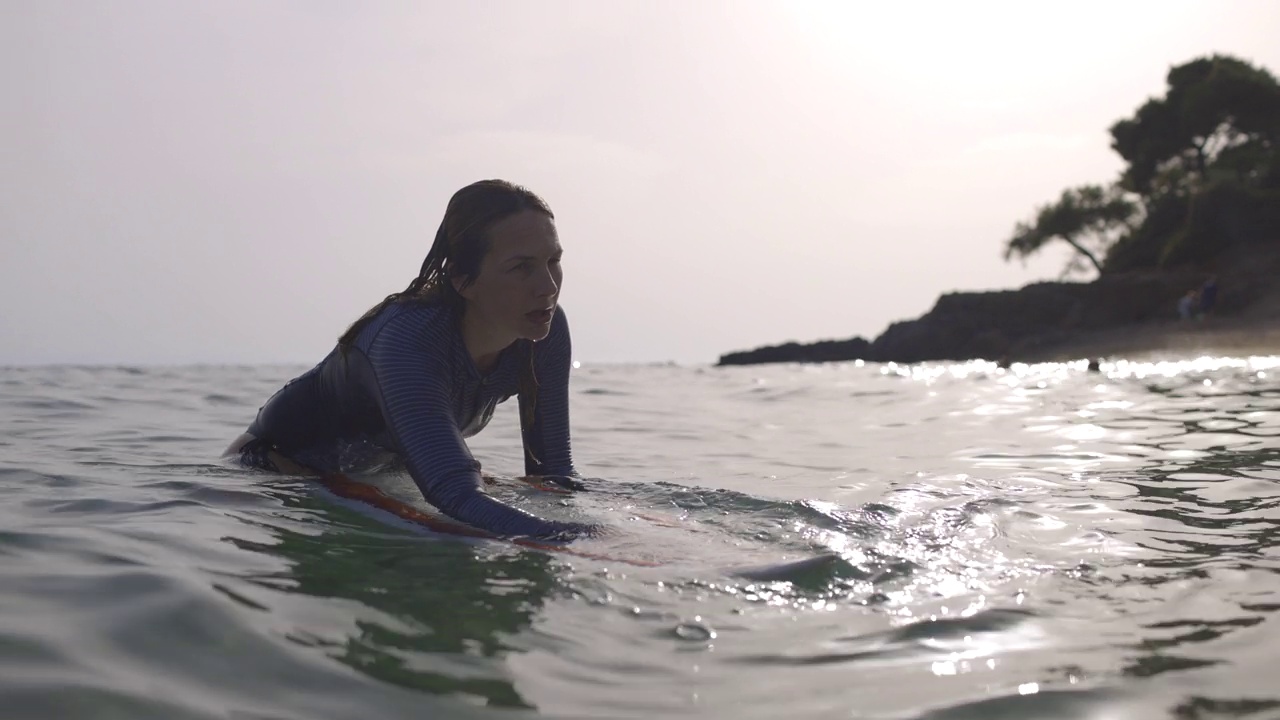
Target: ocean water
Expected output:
[1028,542]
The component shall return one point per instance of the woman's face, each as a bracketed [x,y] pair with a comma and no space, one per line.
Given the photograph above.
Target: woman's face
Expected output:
[515,293]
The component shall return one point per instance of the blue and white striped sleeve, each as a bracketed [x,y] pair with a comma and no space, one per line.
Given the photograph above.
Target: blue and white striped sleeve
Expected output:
[546,438]
[413,392]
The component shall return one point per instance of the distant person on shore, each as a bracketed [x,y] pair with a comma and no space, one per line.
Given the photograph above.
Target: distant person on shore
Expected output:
[1188,304]
[1208,295]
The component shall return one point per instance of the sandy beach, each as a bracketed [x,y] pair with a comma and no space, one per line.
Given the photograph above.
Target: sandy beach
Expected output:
[1171,340]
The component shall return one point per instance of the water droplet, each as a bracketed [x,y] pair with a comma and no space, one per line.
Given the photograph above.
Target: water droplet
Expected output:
[694,632]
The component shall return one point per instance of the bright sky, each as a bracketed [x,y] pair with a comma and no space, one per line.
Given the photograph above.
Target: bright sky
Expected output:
[237,181]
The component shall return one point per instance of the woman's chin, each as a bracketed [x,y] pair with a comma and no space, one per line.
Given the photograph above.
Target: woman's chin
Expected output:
[535,329]
[537,334]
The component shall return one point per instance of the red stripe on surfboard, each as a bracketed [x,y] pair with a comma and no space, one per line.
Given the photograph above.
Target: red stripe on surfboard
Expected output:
[343,486]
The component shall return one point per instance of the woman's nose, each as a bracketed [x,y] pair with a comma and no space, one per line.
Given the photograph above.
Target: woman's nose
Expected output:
[547,285]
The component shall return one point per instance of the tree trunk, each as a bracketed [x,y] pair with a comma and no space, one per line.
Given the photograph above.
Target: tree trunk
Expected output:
[1202,162]
[1085,252]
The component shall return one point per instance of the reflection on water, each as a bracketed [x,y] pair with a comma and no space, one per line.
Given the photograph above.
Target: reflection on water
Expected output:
[450,644]
[1036,541]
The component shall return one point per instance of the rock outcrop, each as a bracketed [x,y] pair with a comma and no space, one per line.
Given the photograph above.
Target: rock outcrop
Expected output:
[1032,321]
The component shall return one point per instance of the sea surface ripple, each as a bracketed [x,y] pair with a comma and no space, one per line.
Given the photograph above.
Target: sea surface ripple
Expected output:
[1033,541]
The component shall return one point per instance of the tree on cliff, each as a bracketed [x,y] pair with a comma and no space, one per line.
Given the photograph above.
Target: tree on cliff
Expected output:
[1216,108]
[1218,123]
[1087,218]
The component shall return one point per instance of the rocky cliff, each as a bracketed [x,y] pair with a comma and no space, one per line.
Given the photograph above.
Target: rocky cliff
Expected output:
[1033,321]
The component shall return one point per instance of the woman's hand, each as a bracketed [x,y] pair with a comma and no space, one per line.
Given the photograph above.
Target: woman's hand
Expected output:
[562,484]
[574,530]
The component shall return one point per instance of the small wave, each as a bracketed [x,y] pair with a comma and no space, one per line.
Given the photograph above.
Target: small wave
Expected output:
[922,639]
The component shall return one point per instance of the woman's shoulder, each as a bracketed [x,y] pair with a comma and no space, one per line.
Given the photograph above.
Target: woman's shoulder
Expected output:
[422,312]
[407,320]
[559,320]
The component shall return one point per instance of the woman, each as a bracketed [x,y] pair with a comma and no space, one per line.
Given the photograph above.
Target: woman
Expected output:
[425,368]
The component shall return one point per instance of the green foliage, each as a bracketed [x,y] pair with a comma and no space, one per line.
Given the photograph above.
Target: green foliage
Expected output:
[1144,245]
[1222,215]
[1147,141]
[1212,105]
[1087,218]
[1267,171]
[1202,173]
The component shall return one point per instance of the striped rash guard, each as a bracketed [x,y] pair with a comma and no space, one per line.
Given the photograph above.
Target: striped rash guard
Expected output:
[407,385]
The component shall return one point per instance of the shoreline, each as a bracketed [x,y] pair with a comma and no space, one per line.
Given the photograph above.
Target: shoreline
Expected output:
[1175,339]
[1123,315]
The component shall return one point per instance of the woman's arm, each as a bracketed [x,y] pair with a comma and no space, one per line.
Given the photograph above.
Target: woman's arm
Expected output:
[413,391]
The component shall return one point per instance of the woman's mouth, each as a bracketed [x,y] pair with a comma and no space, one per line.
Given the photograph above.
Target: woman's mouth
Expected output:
[541,317]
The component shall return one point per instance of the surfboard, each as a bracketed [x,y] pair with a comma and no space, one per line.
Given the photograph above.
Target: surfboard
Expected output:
[791,571]
[350,489]
[345,487]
